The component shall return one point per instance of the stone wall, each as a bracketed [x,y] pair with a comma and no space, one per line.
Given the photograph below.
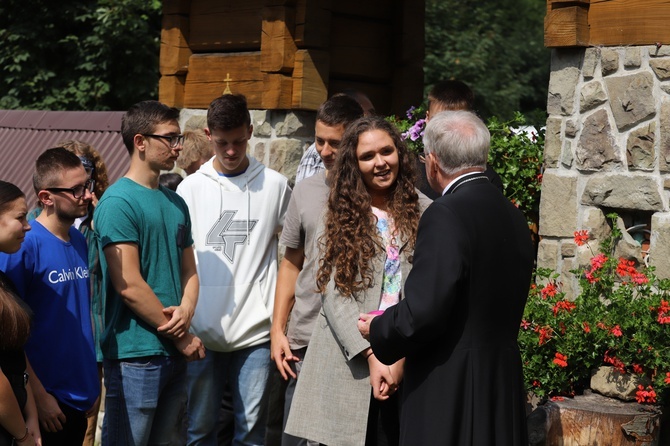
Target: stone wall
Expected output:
[279,139]
[607,149]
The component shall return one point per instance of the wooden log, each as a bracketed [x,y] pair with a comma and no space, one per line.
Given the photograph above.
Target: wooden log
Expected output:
[566,26]
[226,25]
[374,9]
[361,49]
[174,52]
[176,7]
[277,92]
[629,22]
[171,90]
[277,43]
[312,24]
[594,419]
[408,56]
[310,79]
[210,75]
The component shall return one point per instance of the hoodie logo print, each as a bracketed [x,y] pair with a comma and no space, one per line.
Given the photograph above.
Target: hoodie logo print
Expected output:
[227,233]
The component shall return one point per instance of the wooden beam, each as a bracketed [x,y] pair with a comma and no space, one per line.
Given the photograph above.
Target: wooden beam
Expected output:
[277,92]
[566,24]
[629,22]
[310,79]
[312,24]
[171,90]
[210,75]
[409,58]
[176,7]
[226,25]
[277,44]
[175,51]
[374,9]
[207,74]
[361,49]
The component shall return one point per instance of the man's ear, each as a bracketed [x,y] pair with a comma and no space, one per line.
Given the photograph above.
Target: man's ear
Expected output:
[208,133]
[139,142]
[251,131]
[44,197]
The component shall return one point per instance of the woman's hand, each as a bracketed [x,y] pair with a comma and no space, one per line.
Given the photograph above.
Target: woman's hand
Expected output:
[381,379]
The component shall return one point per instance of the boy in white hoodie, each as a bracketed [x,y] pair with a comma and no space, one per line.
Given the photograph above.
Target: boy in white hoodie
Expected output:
[237,207]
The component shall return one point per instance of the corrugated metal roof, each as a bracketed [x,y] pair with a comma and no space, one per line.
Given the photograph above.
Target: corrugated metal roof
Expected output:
[25,134]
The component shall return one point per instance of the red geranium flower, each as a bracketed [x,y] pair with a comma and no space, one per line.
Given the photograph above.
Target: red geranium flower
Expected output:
[645,395]
[550,290]
[560,360]
[598,261]
[616,331]
[667,378]
[581,237]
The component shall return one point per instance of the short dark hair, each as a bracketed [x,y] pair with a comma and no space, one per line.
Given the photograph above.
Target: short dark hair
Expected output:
[50,164]
[8,193]
[170,180]
[340,109]
[143,117]
[452,95]
[228,112]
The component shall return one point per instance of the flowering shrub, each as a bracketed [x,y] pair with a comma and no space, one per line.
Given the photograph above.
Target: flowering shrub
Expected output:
[620,318]
[515,155]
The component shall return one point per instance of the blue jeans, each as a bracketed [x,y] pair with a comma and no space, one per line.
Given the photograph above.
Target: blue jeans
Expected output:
[145,398]
[246,371]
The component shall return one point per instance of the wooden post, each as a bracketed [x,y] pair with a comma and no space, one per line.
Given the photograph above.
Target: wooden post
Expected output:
[277,44]
[594,419]
[566,23]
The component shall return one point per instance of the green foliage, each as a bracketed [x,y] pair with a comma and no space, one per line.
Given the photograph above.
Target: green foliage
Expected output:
[78,55]
[497,48]
[620,318]
[515,155]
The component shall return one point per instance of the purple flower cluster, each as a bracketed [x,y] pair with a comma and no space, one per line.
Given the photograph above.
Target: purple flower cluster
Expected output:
[416,131]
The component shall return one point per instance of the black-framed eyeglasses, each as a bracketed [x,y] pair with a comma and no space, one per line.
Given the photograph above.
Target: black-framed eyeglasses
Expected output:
[173,140]
[77,191]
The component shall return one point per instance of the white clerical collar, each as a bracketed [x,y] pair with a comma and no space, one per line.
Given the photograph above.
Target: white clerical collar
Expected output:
[452,182]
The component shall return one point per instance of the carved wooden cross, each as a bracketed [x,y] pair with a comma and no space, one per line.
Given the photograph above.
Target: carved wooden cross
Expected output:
[227,81]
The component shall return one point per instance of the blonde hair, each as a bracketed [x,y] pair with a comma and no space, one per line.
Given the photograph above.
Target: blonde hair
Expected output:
[196,148]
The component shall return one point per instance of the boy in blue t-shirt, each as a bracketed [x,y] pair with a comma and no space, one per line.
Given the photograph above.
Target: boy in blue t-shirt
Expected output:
[50,272]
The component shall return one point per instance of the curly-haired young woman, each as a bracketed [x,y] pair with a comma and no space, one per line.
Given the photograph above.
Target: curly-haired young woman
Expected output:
[345,396]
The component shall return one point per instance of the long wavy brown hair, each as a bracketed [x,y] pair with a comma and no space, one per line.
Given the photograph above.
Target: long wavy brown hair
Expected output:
[351,238]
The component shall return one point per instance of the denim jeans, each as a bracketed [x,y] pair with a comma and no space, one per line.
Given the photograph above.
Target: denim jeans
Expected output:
[145,399]
[246,371]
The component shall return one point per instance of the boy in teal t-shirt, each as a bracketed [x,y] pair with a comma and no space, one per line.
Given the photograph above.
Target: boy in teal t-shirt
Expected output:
[131,213]
[150,276]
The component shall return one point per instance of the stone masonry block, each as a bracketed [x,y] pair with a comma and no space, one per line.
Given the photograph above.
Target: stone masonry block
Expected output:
[623,191]
[558,205]
[547,254]
[659,249]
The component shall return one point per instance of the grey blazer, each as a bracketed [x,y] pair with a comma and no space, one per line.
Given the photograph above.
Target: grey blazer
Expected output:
[332,396]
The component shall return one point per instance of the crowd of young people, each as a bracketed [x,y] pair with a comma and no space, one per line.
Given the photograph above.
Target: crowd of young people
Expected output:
[188,289]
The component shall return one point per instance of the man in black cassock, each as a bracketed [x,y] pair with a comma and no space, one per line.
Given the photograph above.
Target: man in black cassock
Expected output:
[464,298]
